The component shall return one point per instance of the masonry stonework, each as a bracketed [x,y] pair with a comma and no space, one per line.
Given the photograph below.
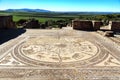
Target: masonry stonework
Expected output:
[6,22]
[97,25]
[82,25]
[115,26]
[31,23]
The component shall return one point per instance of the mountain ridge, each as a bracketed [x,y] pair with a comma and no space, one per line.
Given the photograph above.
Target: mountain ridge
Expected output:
[47,11]
[27,10]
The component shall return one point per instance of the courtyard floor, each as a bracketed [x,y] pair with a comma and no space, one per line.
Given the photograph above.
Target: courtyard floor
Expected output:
[60,54]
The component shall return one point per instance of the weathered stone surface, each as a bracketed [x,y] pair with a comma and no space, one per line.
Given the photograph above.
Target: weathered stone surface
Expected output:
[87,63]
[6,22]
[31,23]
[97,25]
[109,34]
[82,25]
[115,26]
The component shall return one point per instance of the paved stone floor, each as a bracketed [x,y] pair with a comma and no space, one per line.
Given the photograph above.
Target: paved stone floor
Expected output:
[64,54]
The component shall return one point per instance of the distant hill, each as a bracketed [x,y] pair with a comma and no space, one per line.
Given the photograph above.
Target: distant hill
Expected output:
[27,10]
[90,13]
[67,12]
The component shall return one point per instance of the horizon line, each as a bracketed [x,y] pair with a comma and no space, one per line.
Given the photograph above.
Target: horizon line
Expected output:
[60,11]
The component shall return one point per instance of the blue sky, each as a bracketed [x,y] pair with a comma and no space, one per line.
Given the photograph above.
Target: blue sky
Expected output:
[63,5]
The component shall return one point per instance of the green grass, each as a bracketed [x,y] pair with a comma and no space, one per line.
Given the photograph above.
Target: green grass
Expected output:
[40,19]
[17,18]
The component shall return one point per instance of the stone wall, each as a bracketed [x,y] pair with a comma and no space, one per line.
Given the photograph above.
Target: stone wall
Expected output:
[31,23]
[82,25]
[115,26]
[97,25]
[6,22]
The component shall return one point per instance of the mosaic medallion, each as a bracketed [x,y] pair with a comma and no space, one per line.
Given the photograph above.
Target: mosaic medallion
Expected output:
[56,50]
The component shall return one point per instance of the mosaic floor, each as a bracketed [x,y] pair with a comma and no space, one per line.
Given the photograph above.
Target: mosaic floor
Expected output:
[60,55]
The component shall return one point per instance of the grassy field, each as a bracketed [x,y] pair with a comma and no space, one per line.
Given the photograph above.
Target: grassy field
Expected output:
[42,17]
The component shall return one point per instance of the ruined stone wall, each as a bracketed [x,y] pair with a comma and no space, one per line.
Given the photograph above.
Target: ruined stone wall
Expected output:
[97,25]
[31,23]
[115,26]
[82,25]
[6,22]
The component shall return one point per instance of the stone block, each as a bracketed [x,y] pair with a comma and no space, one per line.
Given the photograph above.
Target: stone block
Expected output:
[6,22]
[82,25]
[97,25]
[109,34]
[115,26]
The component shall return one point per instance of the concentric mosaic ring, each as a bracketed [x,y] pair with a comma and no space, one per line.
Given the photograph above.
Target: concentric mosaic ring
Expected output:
[57,52]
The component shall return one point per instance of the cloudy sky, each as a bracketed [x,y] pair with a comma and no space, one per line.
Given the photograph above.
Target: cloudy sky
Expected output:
[63,5]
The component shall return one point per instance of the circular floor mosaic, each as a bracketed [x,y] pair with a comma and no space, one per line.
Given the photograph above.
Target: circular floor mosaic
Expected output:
[56,50]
